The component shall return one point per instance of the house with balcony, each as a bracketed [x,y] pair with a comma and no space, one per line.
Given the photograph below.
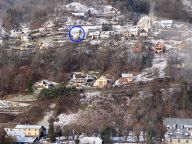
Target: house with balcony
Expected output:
[179,130]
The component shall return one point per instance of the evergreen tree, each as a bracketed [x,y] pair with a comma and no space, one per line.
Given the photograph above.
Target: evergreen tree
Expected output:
[51,132]
[89,13]
[106,133]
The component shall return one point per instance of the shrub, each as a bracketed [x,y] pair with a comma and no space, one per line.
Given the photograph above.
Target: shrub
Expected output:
[56,92]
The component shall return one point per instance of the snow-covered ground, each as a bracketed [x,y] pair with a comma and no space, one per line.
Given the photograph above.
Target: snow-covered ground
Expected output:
[44,122]
[187,3]
[90,140]
[76,6]
[156,71]
[64,119]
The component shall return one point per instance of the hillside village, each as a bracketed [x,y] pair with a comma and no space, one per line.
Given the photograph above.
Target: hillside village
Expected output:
[106,89]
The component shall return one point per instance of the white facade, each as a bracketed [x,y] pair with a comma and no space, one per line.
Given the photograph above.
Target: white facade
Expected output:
[144,23]
[90,140]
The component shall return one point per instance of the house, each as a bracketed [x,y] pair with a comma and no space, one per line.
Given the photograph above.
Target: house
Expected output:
[166,24]
[159,47]
[102,82]
[78,15]
[126,33]
[138,137]
[44,46]
[25,37]
[19,136]
[78,33]
[126,78]
[44,84]
[27,46]
[144,23]
[142,33]
[90,140]
[26,140]
[32,130]
[15,33]
[80,79]
[49,25]
[156,27]
[114,10]
[94,35]
[106,34]
[133,31]
[25,29]
[179,130]
[14,132]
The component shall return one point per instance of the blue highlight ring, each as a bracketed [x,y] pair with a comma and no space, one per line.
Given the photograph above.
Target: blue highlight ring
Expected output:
[79,40]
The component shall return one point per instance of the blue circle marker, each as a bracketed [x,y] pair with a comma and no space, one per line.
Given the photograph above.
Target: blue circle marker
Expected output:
[76,40]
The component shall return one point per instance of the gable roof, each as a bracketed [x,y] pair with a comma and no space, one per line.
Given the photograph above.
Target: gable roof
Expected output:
[26,139]
[178,127]
[28,127]
[47,82]
[125,75]
[178,121]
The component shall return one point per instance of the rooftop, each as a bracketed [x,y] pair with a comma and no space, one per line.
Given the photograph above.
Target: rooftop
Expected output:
[178,127]
[26,139]
[28,127]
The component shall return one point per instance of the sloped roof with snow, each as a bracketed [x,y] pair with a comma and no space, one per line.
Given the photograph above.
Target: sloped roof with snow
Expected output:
[125,75]
[28,127]
[26,139]
[76,6]
[15,133]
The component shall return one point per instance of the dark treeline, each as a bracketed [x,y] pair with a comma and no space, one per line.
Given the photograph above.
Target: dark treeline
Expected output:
[173,9]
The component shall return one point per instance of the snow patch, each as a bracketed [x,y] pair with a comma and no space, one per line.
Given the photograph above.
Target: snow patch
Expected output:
[44,122]
[76,6]
[65,119]
[156,71]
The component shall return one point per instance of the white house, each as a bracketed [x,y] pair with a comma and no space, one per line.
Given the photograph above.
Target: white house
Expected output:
[25,29]
[106,34]
[144,23]
[15,33]
[90,140]
[80,79]
[179,130]
[166,23]
[25,38]
[14,132]
[133,30]
[94,35]
[78,15]
[44,84]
